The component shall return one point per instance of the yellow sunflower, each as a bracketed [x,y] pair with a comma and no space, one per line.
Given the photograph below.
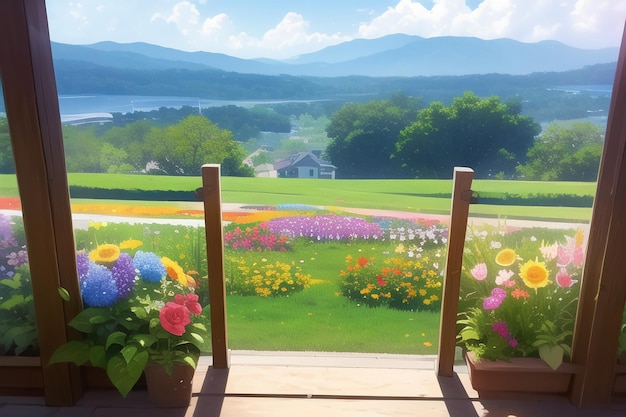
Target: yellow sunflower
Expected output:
[176,272]
[105,254]
[506,257]
[130,244]
[534,274]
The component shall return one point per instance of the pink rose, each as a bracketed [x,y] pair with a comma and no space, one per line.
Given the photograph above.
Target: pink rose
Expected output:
[190,301]
[174,317]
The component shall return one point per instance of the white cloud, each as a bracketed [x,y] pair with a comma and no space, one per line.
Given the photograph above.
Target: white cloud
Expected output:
[184,15]
[579,23]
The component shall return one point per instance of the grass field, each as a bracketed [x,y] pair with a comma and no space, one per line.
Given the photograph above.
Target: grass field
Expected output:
[401,195]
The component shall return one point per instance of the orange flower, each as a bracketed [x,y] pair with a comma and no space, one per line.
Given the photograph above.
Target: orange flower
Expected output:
[518,293]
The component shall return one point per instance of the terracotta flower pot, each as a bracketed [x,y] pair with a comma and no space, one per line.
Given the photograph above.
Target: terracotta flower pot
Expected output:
[530,375]
[169,390]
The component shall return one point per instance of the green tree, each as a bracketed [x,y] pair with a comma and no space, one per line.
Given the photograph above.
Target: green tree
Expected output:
[183,148]
[484,134]
[363,137]
[565,153]
[82,149]
[131,138]
[7,163]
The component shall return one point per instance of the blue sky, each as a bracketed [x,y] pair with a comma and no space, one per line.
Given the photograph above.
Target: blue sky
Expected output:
[285,28]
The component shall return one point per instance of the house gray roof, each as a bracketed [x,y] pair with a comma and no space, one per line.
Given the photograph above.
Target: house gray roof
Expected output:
[301,159]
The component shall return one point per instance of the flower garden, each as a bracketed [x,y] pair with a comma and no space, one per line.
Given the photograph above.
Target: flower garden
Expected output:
[311,278]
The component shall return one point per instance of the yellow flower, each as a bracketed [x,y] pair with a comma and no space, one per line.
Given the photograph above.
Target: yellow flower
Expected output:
[130,244]
[105,254]
[97,225]
[506,257]
[534,274]
[578,239]
[176,272]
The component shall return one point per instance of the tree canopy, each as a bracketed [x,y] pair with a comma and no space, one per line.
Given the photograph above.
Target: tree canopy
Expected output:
[565,153]
[183,148]
[363,137]
[485,134]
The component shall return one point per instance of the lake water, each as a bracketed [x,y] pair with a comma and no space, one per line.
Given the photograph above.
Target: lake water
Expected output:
[76,107]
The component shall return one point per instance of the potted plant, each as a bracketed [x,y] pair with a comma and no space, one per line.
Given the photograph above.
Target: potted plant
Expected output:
[518,307]
[141,315]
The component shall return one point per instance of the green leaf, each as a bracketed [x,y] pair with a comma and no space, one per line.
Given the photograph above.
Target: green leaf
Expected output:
[469,334]
[97,356]
[144,340]
[116,338]
[552,355]
[12,283]
[75,351]
[190,361]
[129,352]
[123,374]
[82,321]
[65,295]
[15,300]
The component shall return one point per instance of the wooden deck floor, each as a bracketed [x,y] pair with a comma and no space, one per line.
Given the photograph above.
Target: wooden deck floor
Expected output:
[288,384]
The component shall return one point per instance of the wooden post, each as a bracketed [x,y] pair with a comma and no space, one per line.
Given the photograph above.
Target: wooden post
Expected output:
[461,197]
[215,259]
[603,288]
[35,127]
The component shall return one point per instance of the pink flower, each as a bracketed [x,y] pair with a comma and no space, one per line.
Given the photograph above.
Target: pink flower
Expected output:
[562,256]
[479,271]
[579,256]
[190,301]
[174,317]
[564,279]
[513,342]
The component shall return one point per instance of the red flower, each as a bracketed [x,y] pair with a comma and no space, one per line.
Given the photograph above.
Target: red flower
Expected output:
[190,301]
[174,317]
[381,281]
[362,261]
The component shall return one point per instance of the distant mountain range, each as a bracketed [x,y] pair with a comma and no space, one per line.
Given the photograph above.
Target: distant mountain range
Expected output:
[389,56]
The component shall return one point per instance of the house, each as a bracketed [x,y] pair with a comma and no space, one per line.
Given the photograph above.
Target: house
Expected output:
[305,165]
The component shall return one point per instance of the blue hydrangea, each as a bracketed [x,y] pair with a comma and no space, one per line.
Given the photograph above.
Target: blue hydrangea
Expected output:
[123,272]
[149,266]
[98,287]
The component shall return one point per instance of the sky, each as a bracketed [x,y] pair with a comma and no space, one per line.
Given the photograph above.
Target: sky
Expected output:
[282,29]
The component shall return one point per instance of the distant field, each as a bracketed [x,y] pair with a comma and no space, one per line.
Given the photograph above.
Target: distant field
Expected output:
[402,195]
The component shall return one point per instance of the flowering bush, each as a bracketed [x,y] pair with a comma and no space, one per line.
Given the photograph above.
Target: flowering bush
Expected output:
[417,235]
[264,278]
[18,330]
[256,238]
[140,309]
[327,227]
[398,283]
[519,298]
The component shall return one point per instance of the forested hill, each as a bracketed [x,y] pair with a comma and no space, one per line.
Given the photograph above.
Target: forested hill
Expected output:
[78,77]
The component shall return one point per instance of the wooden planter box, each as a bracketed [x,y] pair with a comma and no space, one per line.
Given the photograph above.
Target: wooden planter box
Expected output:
[520,375]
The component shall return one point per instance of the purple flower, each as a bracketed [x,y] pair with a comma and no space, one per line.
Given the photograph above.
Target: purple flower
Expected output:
[326,227]
[479,272]
[495,300]
[513,342]
[123,272]
[82,265]
[501,328]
